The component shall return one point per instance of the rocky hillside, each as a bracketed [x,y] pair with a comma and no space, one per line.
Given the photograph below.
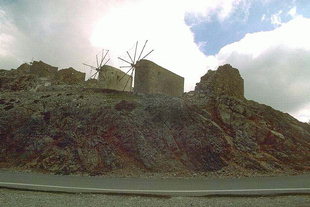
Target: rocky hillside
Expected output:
[76,129]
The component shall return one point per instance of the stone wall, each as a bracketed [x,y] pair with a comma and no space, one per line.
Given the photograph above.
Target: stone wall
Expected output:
[154,79]
[41,69]
[226,80]
[70,76]
[110,77]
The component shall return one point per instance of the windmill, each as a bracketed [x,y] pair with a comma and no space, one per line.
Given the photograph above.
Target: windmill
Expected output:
[101,62]
[133,61]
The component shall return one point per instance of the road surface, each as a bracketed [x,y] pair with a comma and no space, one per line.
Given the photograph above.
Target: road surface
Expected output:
[156,186]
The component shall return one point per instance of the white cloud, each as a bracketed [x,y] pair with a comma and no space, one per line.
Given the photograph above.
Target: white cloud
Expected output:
[292,35]
[292,12]
[5,34]
[276,18]
[275,65]
[74,32]
[4,40]
[56,32]
[303,114]
[8,35]
[162,23]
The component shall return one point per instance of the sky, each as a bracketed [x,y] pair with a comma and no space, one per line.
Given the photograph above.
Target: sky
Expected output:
[267,40]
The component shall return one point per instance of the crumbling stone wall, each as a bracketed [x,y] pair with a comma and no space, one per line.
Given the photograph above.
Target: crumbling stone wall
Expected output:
[154,79]
[226,80]
[110,78]
[40,69]
[70,76]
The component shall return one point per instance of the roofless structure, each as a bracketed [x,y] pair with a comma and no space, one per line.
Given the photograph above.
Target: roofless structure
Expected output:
[151,78]
[133,59]
[109,77]
[146,76]
[100,61]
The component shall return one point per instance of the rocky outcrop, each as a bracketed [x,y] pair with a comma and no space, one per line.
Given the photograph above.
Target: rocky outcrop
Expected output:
[15,81]
[84,130]
[226,80]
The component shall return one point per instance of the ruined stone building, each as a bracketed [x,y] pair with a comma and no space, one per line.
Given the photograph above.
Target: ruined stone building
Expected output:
[150,78]
[153,79]
[111,78]
[39,69]
[226,80]
[70,76]
[50,75]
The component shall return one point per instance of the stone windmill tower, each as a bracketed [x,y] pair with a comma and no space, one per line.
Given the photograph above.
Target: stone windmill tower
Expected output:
[101,62]
[132,62]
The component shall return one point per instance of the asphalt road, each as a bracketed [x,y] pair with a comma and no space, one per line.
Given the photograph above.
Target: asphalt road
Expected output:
[156,186]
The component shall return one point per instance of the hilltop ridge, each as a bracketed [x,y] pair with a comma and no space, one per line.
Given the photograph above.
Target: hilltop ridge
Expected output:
[68,129]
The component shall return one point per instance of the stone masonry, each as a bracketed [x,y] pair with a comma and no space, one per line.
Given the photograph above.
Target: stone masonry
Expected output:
[153,79]
[111,78]
[226,80]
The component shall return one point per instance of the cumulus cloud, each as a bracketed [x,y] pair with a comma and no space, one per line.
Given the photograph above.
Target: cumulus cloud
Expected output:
[293,12]
[275,66]
[56,32]
[168,35]
[276,18]
[67,32]
[162,23]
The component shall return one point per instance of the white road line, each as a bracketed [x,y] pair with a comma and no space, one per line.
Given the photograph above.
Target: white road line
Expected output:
[152,191]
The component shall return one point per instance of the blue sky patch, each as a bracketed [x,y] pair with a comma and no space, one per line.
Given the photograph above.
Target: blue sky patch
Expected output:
[211,34]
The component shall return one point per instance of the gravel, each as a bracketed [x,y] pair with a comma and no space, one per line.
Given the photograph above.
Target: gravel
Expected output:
[18,198]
